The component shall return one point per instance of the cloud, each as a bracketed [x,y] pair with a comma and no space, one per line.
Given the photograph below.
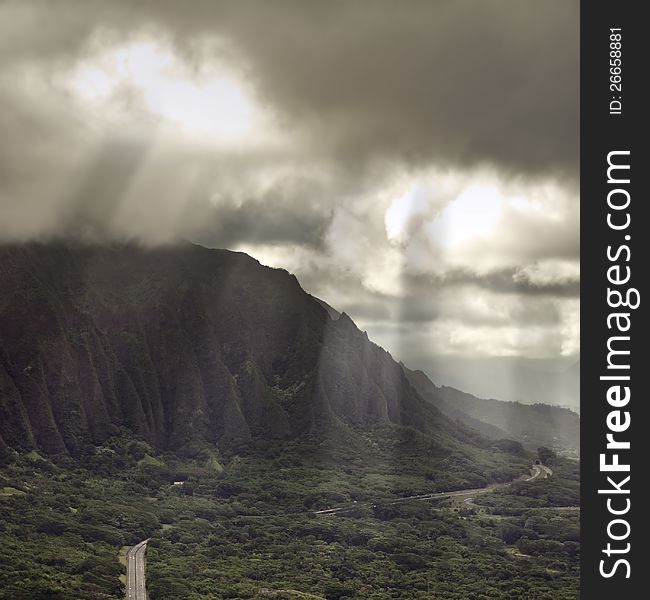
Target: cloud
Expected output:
[415,164]
[454,82]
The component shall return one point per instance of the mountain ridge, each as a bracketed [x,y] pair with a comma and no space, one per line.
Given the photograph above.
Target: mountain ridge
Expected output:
[177,342]
[532,424]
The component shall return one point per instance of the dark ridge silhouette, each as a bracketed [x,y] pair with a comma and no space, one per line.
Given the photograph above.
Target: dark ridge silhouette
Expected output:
[179,343]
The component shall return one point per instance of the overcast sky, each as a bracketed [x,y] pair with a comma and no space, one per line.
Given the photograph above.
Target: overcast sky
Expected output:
[414,163]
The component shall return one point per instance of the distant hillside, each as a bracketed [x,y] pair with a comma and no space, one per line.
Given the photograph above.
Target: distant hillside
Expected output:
[532,424]
[513,379]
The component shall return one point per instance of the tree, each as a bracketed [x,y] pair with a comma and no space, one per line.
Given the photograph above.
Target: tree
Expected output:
[546,455]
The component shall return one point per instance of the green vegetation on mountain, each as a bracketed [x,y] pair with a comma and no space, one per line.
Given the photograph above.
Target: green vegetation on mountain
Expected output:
[181,344]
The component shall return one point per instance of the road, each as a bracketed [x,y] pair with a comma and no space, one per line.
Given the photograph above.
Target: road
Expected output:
[135,581]
[540,471]
[464,496]
[432,496]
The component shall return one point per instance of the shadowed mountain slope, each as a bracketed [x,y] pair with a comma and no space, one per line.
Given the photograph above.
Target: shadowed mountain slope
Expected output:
[182,342]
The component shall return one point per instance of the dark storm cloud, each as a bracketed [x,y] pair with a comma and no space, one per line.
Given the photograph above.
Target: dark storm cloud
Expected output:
[353,84]
[431,307]
[365,100]
[255,222]
[428,299]
[504,281]
[454,82]
[458,82]
[506,301]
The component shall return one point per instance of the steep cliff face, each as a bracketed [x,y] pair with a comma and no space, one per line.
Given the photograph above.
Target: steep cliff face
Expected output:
[179,342]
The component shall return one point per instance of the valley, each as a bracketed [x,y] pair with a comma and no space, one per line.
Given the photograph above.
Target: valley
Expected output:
[258,441]
[458,499]
[254,526]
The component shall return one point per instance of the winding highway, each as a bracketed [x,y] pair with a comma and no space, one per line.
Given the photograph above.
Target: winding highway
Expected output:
[431,496]
[540,471]
[464,496]
[136,588]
